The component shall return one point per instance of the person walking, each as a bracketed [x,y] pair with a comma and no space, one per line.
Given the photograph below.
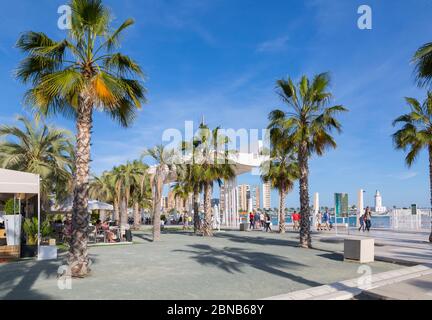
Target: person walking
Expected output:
[256,220]
[296,220]
[267,223]
[362,223]
[319,220]
[367,219]
[251,221]
[326,220]
[262,221]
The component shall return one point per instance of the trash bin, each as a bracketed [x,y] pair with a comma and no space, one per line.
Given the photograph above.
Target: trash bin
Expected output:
[244,226]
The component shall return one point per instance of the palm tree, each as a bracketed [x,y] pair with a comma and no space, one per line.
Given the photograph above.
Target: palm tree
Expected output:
[40,149]
[182,192]
[212,158]
[73,77]
[103,189]
[141,190]
[423,64]
[416,133]
[281,171]
[308,122]
[163,170]
[189,176]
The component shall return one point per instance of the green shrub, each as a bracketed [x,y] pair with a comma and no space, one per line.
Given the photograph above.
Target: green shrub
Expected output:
[30,227]
[9,206]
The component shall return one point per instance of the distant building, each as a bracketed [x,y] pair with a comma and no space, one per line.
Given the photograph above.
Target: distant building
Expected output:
[222,198]
[256,198]
[379,203]
[243,197]
[266,196]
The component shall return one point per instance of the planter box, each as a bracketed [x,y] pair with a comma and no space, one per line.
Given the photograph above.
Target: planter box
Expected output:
[244,226]
[47,253]
[28,251]
[13,229]
[359,249]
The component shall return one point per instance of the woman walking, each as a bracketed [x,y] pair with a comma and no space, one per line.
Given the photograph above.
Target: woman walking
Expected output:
[267,223]
[367,219]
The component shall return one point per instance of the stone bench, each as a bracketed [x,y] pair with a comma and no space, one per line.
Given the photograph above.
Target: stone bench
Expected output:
[359,249]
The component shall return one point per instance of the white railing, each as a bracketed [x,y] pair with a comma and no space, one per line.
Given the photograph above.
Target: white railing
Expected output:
[403,219]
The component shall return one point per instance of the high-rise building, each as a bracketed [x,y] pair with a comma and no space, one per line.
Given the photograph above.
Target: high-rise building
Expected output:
[266,196]
[243,197]
[256,198]
[222,196]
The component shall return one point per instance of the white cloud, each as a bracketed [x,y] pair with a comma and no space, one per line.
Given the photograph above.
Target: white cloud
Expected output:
[273,45]
[404,175]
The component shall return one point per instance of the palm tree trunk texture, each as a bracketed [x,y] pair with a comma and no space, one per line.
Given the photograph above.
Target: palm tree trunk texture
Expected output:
[137,216]
[305,237]
[124,213]
[207,228]
[78,258]
[196,199]
[157,208]
[116,212]
[282,196]
[430,186]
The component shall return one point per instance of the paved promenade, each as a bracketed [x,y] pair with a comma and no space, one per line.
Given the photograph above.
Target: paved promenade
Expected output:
[233,265]
[406,248]
[403,247]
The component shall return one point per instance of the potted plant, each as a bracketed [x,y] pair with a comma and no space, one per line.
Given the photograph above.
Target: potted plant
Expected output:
[30,227]
[12,222]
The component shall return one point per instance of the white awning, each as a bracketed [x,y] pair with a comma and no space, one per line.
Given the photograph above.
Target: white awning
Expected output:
[15,182]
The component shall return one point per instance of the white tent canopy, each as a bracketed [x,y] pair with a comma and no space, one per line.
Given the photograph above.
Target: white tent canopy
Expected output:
[67,206]
[21,185]
[15,182]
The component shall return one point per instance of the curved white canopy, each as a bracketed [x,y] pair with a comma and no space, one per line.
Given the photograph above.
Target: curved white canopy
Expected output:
[15,182]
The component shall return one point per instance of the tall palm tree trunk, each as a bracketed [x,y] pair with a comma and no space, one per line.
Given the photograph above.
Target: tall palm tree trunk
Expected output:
[124,213]
[196,198]
[282,196]
[137,216]
[116,212]
[430,186]
[157,209]
[207,228]
[305,237]
[78,258]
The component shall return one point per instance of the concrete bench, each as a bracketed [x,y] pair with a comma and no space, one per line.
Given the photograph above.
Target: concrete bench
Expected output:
[359,249]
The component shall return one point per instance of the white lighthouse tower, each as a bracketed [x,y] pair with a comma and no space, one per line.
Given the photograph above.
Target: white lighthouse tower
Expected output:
[379,204]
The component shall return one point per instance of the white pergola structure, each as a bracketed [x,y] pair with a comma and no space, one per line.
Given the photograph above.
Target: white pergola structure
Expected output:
[242,163]
[22,186]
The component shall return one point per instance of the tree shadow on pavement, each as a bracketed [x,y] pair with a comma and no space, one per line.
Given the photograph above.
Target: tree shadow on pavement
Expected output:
[264,241]
[233,259]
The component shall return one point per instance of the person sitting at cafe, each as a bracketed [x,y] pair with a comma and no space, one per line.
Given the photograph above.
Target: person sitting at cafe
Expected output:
[105,228]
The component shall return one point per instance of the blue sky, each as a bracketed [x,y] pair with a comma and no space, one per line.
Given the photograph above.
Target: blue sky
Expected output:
[221,58]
